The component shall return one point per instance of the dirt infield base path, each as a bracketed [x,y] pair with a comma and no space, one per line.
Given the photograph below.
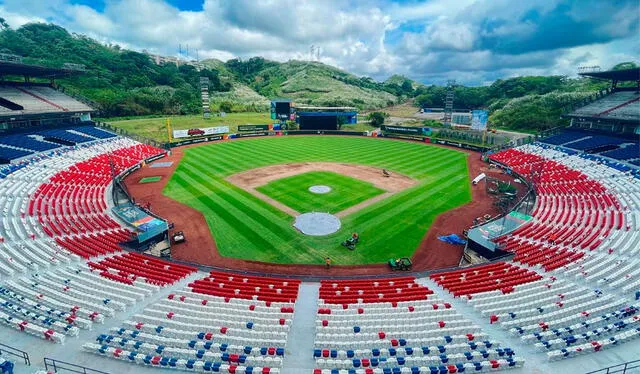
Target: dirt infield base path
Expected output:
[249,180]
[200,247]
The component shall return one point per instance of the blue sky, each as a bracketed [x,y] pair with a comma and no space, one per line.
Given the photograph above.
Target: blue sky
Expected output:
[473,41]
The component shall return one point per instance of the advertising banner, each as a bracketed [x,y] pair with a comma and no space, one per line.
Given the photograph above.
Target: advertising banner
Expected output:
[195,132]
[479,120]
[421,131]
[254,127]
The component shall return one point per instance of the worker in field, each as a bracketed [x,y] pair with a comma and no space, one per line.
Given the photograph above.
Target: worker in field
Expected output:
[327,262]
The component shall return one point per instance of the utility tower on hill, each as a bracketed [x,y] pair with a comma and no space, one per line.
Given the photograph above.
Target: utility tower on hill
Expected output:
[448,102]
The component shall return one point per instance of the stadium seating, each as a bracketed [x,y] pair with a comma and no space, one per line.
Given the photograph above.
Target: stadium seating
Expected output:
[247,287]
[40,99]
[204,332]
[616,105]
[64,136]
[398,325]
[27,142]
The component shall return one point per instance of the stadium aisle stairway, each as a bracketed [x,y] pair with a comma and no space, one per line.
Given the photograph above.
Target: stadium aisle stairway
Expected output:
[236,326]
[379,327]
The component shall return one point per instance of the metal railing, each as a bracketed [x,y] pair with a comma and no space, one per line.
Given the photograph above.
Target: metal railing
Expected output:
[58,366]
[15,352]
[619,369]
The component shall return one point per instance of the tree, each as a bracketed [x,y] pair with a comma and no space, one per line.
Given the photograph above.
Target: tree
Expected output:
[376,118]
[3,24]
[625,65]
[226,107]
[407,87]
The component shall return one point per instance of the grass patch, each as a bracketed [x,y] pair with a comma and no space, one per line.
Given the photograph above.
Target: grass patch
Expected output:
[156,127]
[149,179]
[294,192]
[248,228]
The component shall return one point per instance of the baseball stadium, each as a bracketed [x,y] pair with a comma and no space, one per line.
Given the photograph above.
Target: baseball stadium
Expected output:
[307,244]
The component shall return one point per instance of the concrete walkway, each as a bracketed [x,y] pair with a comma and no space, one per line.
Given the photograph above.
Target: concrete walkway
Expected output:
[299,354]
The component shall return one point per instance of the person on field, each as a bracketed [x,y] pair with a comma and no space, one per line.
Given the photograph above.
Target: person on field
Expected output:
[355,236]
[327,262]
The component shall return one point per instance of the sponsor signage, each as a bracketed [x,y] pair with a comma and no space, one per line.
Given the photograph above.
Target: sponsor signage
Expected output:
[479,120]
[422,131]
[196,132]
[253,127]
[199,140]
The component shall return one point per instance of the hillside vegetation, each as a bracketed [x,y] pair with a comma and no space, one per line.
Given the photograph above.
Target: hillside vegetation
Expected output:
[129,83]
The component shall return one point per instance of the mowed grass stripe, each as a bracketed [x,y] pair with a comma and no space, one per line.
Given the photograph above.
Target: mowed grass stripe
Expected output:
[249,228]
[294,192]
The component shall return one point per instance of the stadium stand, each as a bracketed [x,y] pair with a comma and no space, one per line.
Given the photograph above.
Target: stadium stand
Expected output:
[619,104]
[398,325]
[53,304]
[227,332]
[38,99]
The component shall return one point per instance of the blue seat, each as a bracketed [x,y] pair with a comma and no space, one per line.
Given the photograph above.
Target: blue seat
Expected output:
[207,366]
[356,362]
[249,325]
[375,352]
[350,353]
[248,370]
[443,369]
[400,360]
[408,351]
[356,329]
[460,367]
[189,363]
[433,370]
[164,361]
[316,352]
[333,353]
[247,350]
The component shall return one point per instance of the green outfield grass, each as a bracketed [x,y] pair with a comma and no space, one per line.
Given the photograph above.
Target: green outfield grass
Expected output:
[294,192]
[249,228]
[149,179]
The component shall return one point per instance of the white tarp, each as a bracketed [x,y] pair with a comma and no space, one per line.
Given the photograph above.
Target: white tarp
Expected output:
[205,131]
[479,178]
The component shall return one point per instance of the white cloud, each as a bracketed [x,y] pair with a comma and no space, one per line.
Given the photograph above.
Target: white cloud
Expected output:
[472,40]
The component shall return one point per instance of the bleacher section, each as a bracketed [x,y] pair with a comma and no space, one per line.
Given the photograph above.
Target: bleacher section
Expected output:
[586,228]
[241,331]
[397,325]
[619,148]
[50,294]
[39,99]
[620,104]
[17,146]
[63,136]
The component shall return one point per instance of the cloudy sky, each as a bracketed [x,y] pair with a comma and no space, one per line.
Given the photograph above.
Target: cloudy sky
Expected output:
[473,41]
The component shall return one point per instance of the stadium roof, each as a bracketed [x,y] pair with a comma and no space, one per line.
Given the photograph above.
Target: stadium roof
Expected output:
[617,75]
[36,71]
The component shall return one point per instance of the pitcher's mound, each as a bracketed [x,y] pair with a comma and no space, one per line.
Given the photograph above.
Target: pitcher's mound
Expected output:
[320,189]
[317,224]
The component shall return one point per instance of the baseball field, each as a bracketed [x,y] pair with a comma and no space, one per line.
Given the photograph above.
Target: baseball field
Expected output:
[256,223]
